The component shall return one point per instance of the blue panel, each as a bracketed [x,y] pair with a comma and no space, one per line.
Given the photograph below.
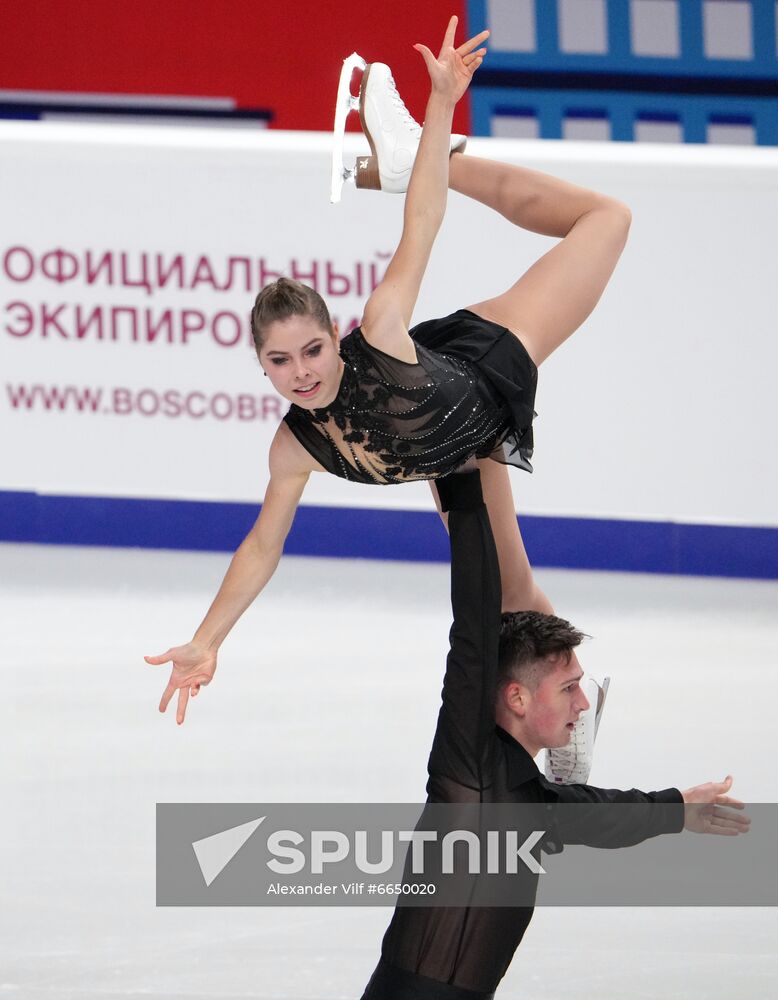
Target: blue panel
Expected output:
[621,59]
[590,543]
[547,27]
[692,49]
[18,517]
[623,108]
[586,112]
[164,524]
[704,549]
[476,17]
[514,111]
[413,536]
[719,118]
[695,120]
[619,45]
[658,116]
[406,536]
[691,87]
[763,20]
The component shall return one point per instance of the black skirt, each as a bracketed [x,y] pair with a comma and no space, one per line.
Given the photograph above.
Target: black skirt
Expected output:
[503,360]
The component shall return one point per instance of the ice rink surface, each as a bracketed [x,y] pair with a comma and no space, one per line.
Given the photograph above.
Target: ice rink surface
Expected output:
[328,690]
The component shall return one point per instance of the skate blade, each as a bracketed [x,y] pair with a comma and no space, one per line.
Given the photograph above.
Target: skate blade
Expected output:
[346,102]
[601,696]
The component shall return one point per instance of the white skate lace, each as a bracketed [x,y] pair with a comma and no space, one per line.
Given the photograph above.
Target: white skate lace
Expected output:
[402,111]
[564,762]
[565,759]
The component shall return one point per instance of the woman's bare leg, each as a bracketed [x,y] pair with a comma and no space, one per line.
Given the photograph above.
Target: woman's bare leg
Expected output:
[543,308]
[519,590]
[551,300]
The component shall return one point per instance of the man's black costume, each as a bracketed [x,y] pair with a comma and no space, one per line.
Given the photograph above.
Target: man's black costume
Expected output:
[462,953]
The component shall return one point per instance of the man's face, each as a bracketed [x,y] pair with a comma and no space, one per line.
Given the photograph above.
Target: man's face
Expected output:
[554,706]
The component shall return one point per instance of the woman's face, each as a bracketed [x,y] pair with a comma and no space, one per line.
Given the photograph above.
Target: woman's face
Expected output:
[302,361]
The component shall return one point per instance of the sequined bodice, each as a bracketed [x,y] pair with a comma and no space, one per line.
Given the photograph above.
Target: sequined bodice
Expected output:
[393,422]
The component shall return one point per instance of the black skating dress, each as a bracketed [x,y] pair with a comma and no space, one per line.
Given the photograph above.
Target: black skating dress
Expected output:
[470,394]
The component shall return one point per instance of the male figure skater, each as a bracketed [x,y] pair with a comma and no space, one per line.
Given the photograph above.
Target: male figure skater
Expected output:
[522,673]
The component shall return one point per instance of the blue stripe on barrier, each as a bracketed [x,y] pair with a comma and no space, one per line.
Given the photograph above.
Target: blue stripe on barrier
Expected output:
[417,536]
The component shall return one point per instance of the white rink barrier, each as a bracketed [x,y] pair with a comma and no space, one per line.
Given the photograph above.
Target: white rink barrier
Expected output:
[129,261]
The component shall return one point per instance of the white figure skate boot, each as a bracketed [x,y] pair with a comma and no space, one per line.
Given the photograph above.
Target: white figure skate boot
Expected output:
[391,131]
[570,765]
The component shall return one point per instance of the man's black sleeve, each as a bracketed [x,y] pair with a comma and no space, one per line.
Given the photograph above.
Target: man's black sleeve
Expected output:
[611,817]
[466,720]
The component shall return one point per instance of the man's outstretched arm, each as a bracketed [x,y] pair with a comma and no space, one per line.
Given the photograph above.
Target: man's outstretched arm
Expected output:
[630,817]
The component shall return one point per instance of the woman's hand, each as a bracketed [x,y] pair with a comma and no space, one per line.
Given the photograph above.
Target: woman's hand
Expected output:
[452,71]
[193,666]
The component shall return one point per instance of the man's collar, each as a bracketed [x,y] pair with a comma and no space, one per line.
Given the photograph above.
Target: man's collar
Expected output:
[521,767]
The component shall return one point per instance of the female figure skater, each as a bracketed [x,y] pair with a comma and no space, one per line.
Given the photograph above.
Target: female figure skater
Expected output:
[387,405]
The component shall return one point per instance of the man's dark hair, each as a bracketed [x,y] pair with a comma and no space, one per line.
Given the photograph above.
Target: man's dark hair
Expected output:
[532,644]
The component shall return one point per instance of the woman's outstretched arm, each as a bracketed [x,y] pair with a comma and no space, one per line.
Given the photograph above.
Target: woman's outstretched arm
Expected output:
[389,309]
[252,566]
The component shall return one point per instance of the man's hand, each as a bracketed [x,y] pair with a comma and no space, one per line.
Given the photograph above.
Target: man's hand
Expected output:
[193,666]
[710,810]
